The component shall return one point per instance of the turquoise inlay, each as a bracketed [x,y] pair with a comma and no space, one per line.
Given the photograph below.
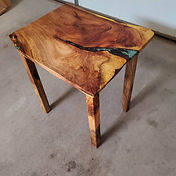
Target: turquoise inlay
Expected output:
[130,53]
[17,47]
[125,53]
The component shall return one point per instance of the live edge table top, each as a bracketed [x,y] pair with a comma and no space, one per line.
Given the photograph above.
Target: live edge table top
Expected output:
[85,49]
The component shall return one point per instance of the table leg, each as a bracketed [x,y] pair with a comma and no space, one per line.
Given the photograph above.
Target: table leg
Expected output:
[94,118]
[128,83]
[35,80]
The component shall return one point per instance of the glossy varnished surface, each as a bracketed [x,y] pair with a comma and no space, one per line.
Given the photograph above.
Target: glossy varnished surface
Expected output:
[81,48]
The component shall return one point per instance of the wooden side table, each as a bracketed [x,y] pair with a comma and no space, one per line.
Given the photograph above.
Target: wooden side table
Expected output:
[84,49]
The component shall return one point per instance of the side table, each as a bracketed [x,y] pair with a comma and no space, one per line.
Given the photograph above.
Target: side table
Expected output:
[84,49]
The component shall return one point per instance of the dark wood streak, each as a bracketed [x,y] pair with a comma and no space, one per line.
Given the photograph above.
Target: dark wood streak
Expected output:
[115,51]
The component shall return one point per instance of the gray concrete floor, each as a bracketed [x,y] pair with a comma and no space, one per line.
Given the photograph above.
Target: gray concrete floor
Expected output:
[32,143]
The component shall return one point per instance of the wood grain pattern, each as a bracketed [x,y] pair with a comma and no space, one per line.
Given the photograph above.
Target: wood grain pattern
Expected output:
[128,83]
[82,48]
[7,2]
[94,119]
[35,80]
[3,7]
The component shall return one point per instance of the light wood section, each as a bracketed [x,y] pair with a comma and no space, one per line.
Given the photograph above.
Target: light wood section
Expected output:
[80,47]
[128,83]
[93,108]
[35,80]
[4,5]
[7,2]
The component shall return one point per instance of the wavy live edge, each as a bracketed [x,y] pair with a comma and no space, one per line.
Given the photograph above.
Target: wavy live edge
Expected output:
[85,49]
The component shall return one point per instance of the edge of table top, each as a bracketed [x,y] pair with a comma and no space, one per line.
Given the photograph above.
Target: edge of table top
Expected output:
[54,72]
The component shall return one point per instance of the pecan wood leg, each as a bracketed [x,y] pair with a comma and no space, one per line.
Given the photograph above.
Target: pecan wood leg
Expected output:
[128,83]
[35,80]
[94,119]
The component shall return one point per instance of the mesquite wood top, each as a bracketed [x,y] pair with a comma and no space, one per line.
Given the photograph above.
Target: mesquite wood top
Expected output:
[82,48]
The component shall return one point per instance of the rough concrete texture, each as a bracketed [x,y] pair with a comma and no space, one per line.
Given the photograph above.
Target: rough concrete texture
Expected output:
[141,142]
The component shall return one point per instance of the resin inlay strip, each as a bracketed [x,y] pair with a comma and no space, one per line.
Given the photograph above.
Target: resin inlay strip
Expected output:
[125,53]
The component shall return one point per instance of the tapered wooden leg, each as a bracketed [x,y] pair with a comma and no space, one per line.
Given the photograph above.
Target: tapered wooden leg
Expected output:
[128,82]
[35,80]
[94,119]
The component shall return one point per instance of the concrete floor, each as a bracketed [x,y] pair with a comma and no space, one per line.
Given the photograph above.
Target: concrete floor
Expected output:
[141,142]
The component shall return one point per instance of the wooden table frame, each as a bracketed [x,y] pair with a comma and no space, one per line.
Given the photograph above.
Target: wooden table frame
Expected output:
[93,105]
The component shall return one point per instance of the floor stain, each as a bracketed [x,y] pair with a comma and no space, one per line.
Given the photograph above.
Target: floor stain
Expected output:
[152,123]
[5,46]
[92,167]
[71,165]
[52,155]
[127,150]
[46,174]
[34,174]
